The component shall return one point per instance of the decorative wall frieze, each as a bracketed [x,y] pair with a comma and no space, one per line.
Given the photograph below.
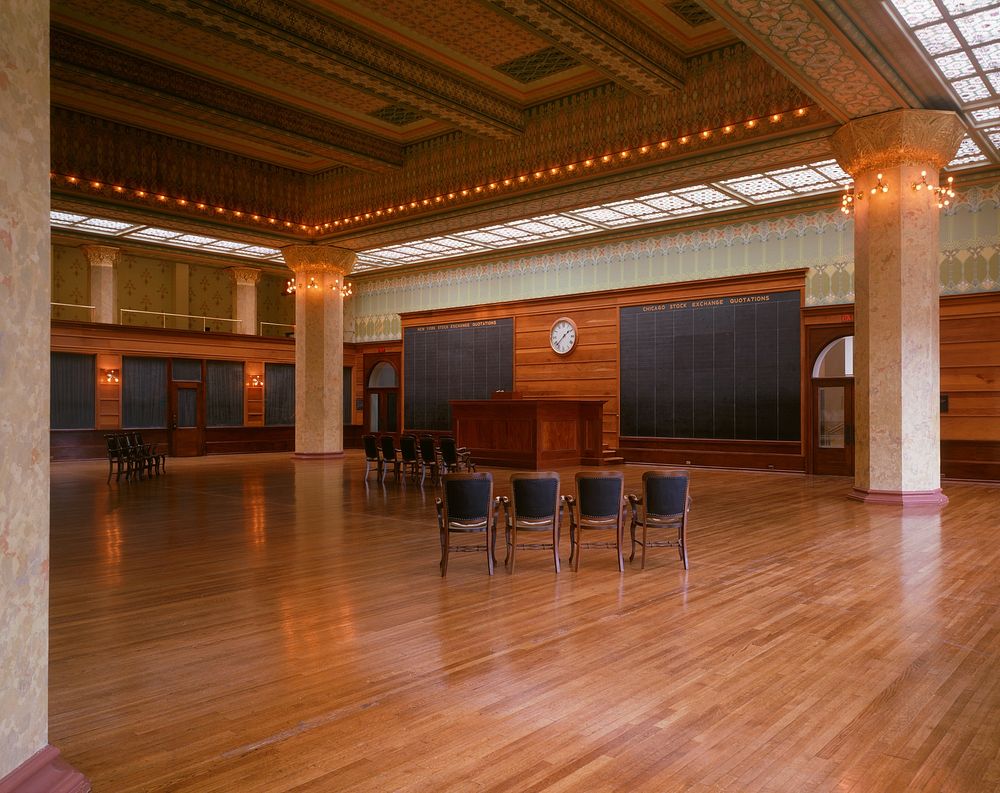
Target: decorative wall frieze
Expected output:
[348,54]
[113,71]
[318,259]
[805,44]
[902,137]
[605,36]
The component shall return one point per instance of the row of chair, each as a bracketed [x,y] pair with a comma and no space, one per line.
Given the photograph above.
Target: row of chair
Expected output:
[536,506]
[413,455]
[133,457]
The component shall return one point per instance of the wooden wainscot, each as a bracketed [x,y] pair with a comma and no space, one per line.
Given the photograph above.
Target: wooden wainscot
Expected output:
[531,434]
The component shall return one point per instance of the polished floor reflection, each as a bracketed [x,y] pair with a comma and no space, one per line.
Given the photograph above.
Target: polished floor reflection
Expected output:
[256,623]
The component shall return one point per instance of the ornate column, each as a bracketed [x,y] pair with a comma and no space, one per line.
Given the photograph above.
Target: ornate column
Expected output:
[245,297]
[27,760]
[103,292]
[896,286]
[319,347]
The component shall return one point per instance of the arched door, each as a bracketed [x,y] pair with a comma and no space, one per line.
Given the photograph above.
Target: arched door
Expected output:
[382,406]
[833,409]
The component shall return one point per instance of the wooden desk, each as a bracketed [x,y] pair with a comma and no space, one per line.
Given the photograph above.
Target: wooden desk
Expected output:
[532,434]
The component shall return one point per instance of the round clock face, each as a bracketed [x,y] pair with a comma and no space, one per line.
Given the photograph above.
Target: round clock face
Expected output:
[562,337]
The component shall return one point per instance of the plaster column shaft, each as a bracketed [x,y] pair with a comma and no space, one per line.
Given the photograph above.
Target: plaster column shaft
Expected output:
[27,761]
[897,297]
[319,347]
[103,261]
[245,298]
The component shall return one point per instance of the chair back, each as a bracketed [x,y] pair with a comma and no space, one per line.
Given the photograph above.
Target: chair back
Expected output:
[388,448]
[599,494]
[427,451]
[448,453]
[665,492]
[371,446]
[468,497]
[535,495]
[137,438]
[408,448]
[112,441]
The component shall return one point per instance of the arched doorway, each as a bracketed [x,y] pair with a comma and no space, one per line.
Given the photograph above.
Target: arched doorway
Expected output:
[382,407]
[832,389]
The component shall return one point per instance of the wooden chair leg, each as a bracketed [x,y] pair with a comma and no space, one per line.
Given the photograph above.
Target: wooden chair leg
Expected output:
[683,548]
[576,547]
[632,532]
[491,547]
[619,538]
[555,544]
[642,563]
[444,553]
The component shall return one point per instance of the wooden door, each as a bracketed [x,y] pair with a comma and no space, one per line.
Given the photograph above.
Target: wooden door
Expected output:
[833,426]
[187,420]
[383,403]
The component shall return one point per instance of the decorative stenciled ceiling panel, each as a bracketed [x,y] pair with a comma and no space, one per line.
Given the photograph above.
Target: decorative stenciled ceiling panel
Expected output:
[961,41]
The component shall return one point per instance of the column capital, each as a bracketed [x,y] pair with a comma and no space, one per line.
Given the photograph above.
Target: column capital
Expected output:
[244,276]
[899,137]
[318,259]
[101,255]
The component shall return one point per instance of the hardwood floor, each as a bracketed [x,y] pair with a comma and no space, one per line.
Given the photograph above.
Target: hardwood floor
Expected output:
[256,623]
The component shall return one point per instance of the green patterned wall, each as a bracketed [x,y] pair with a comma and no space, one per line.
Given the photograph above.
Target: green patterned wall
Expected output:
[822,241]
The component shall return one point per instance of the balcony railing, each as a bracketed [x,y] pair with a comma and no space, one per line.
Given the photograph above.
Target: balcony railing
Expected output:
[216,321]
[275,329]
[76,306]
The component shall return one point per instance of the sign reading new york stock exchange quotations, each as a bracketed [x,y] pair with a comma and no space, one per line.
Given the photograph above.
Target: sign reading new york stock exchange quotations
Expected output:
[456,360]
[715,368]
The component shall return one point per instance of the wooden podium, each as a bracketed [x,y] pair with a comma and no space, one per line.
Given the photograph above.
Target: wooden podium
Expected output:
[533,434]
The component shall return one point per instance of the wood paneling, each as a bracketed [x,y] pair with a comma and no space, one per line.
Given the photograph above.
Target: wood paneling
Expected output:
[592,368]
[90,444]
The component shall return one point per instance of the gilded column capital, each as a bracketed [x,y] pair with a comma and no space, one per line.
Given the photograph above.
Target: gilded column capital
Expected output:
[900,137]
[318,259]
[244,276]
[101,255]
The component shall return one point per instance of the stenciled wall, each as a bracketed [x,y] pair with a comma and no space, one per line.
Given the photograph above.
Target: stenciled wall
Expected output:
[822,241]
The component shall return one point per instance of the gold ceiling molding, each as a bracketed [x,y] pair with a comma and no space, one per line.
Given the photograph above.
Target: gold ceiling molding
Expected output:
[347,54]
[807,46]
[192,98]
[606,37]
[318,259]
[901,137]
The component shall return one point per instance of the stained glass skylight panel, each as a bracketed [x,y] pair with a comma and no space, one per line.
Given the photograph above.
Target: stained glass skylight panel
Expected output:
[988,57]
[226,245]
[918,12]
[993,133]
[67,218]
[668,202]
[981,27]
[938,39]
[756,187]
[986,114]
[971,89]
[100,224]
[258,250]
[956,65]
[969,153]
[195,239]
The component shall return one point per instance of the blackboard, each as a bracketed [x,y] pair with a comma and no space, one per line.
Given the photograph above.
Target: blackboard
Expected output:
[719,368]
[458,360]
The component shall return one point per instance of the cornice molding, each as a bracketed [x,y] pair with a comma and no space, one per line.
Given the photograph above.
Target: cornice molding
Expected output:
[606,37]
[328,46]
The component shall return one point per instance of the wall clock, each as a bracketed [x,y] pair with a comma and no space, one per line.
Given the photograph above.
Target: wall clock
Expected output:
[562,337]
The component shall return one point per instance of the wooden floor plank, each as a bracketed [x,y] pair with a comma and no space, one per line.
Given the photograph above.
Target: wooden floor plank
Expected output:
[258,623]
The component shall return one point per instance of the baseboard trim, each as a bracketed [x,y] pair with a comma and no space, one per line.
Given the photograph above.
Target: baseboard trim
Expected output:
[45,772]
[317,455]
[900,498]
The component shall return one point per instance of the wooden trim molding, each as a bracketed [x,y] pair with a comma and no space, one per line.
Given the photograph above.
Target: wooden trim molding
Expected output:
[45,772]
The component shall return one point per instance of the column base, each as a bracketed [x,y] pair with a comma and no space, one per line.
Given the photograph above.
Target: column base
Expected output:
[316,455]
[45,772]
[900,498]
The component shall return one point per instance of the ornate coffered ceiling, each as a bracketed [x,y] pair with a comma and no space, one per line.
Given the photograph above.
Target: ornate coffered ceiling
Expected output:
[371,122]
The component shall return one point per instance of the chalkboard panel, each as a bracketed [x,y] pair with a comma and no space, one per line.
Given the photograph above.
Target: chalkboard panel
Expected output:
[720,368]
[459,360]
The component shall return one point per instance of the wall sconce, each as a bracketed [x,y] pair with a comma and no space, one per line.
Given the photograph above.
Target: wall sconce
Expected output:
[110,376]
[850,197]
[944,193]
[290,287]
[345,287]
[256,381]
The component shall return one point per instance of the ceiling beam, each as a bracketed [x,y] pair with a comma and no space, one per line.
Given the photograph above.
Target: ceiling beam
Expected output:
[329,47]
[802,42]
[87,64]
[604,36]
